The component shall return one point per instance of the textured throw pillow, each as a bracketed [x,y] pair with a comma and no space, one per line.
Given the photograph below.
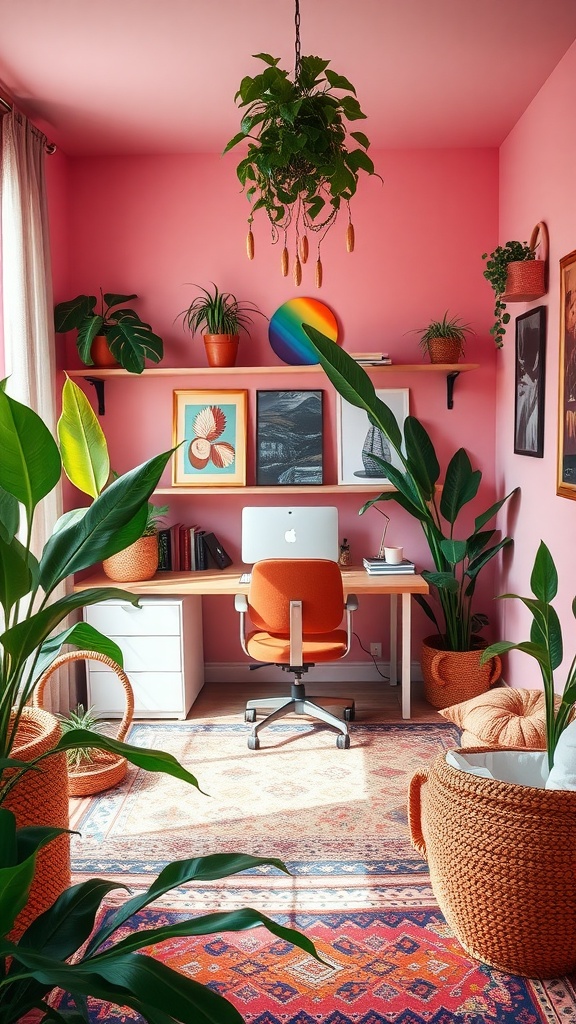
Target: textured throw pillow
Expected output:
[502,717]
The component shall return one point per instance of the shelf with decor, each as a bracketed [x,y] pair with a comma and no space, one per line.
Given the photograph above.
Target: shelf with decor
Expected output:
[97,377]
[280,489]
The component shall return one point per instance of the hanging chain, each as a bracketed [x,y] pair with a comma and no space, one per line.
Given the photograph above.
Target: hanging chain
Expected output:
[297,60]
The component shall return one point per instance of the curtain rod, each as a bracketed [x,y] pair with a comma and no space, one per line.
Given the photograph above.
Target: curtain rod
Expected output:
[50,146]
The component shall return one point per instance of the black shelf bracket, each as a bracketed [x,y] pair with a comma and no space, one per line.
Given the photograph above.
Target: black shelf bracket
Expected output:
[98,384]
[450,379]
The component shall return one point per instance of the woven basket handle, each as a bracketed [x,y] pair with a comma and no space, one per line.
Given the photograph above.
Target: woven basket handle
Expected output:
[415,810]
[540,232]
[63,659]
[496,670]
[435,668]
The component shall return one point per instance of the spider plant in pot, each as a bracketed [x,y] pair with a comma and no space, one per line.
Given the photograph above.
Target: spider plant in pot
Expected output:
[443,340]
[221,317]
[301,167]
[516,276]
[109,337]
[451,657]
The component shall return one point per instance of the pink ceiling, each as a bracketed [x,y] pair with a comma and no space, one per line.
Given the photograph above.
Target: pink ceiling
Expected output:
[159,76]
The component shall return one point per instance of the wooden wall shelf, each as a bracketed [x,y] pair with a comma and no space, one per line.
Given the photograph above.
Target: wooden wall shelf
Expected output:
[97,377]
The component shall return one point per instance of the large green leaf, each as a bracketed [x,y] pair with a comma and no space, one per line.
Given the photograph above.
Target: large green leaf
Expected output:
[83,446]
[131,341]
[30,464]
[22,639]
[143,757]
[89,329]
[441,580]
[69,315]
[85,637]
[478,563]
[421,457]
[18,849]
[544,577]
[454,551]
[15,575]
[486,516]
[460,486]
[62,929]
[108,526]
[9,515]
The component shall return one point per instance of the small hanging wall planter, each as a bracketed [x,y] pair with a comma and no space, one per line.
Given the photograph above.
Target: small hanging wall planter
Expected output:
[526,279]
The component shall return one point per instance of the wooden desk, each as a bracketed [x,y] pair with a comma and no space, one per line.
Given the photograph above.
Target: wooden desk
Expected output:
[354,578]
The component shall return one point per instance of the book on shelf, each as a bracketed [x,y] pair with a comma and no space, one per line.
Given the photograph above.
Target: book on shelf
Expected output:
[372,358]
[218,555]
[164,556]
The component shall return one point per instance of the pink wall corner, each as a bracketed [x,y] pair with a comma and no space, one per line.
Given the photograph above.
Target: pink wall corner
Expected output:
[150,225]
[537,163]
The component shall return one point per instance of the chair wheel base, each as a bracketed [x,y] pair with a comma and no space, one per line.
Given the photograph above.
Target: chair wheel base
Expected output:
[253,743]
[250,715]
[343,741]
[349,714]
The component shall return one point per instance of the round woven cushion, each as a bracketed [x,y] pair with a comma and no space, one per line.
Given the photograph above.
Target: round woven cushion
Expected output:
[501,718]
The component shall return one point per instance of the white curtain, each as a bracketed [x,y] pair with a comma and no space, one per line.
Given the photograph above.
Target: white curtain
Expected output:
[28,306]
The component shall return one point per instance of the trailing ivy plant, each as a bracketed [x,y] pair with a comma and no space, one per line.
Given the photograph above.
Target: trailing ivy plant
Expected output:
[496,273]
[298,166]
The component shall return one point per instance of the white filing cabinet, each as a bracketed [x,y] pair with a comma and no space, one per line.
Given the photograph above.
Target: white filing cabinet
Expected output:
[163,656]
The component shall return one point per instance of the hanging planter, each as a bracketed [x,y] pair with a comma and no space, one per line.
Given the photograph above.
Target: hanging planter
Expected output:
[299,167]
[517,273]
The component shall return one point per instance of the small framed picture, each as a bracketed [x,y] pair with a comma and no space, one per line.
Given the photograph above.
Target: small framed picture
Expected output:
[289,437]
[566,485]
[530,383]
[210,431]
[359,441]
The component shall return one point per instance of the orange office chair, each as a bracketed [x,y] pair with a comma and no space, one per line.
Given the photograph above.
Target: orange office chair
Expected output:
[296,606]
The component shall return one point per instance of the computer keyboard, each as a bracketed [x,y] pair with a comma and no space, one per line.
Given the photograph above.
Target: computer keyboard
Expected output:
[245,577]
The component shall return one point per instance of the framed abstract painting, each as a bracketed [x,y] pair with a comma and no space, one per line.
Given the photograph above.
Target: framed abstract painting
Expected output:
[530,383]
[359,441]
[289,437]
[209,428]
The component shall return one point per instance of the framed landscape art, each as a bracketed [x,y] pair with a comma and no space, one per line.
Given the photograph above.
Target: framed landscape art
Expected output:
[566,479]
[289,437]
[358,440]
[530,382]
[212,425]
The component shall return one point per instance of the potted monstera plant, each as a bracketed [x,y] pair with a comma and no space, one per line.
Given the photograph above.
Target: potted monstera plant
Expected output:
[451,658]
[109,336]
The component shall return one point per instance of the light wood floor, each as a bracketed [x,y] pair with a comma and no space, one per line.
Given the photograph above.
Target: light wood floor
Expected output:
[375,701]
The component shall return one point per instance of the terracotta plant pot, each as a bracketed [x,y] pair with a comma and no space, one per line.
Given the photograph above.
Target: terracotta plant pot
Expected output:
[444,350]
[139,561]
[221,349]
[101,354]
[41,798]
[454,676]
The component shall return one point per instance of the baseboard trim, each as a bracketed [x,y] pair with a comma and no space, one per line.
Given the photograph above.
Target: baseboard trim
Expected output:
[344,671]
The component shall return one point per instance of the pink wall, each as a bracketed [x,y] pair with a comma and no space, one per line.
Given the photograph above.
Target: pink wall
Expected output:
[150,225]
[537,183]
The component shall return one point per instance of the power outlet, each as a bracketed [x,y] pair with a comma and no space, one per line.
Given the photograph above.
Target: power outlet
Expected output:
[376,650]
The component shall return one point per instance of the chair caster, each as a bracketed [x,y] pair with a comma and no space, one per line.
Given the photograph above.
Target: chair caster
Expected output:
[343,741]
[349,714]
[250,715]
[253,743]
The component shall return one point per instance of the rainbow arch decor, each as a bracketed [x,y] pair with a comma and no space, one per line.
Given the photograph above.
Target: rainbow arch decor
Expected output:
[285,333]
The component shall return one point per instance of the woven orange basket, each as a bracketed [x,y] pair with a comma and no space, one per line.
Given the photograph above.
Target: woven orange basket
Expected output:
[502,861]
[104,770]
[444,350]
[41,798]
[453,676]
[526,279]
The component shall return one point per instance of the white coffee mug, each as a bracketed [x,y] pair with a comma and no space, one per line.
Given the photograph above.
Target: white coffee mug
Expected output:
[394,555]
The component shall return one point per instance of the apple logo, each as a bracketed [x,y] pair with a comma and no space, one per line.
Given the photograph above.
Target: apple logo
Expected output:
[290,536]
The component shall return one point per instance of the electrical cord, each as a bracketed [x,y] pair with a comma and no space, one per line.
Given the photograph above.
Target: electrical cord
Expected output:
[366,651]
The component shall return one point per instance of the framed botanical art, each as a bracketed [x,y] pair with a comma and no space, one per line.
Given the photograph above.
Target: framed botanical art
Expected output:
[530,382]
[210,431]
[359,441]
[289,437]
[566,480]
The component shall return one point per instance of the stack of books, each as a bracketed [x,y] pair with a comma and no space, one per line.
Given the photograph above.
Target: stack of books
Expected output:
[380,567]
[190,549]
[372,358]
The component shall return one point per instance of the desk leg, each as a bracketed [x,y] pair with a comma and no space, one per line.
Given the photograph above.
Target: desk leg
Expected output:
[393,639]
[406,630]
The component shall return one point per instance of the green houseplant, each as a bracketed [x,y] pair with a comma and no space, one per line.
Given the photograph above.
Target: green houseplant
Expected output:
[443,340]
[545,645]
[32,967]
[139,561]
[496,273]
[298,167]
[130,341]
[457,561]
[221,317]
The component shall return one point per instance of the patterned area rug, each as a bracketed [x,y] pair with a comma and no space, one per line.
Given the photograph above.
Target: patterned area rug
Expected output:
[358,889]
